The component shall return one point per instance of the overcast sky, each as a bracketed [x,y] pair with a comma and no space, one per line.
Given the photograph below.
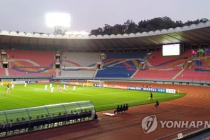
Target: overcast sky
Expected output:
[29,15]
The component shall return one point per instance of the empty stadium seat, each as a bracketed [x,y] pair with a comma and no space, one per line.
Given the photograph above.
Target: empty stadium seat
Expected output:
[79,64]
[31,63]
[121,65]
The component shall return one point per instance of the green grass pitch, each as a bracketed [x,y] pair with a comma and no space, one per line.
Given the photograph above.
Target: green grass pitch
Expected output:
[102,98]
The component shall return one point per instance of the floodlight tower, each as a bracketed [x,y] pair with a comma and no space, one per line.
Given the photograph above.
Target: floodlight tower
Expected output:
[58,30]
[57,21]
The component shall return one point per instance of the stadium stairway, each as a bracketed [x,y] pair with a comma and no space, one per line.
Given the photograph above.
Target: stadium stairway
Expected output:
[157,73]
[207,60]
[134,73]
[57,72]
[200,71]
[159,61]
[7,71]
[204,61]
[178,74]
[94,75]
[195,74]
[121,65]
[145,64]
[160,67]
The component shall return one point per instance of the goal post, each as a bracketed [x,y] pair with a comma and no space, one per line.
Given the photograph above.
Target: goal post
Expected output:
[94,83]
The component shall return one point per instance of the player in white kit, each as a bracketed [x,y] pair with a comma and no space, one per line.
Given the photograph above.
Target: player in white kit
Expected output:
[74,88]
[52,88]
[13,85]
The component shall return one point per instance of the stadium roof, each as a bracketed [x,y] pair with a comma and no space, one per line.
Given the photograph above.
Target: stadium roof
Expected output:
[193,34]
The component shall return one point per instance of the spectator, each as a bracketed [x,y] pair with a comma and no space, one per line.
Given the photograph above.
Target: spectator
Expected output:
[121,108]
[96,117]
[117,110]
[126,106]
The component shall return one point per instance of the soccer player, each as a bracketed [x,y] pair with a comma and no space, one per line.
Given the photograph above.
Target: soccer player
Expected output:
[13,85]
[151,96]
[52,88]
[74,88]
[1,84]
[8,90]
[7,86]
[60,88]
[67,87]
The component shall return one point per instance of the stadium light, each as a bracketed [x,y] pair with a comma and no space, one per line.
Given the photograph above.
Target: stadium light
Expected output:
[58,19]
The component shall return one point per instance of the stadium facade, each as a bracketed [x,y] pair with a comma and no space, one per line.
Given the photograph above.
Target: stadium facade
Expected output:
[193,34]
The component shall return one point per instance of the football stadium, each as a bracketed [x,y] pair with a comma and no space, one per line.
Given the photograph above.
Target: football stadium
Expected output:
[145,85]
